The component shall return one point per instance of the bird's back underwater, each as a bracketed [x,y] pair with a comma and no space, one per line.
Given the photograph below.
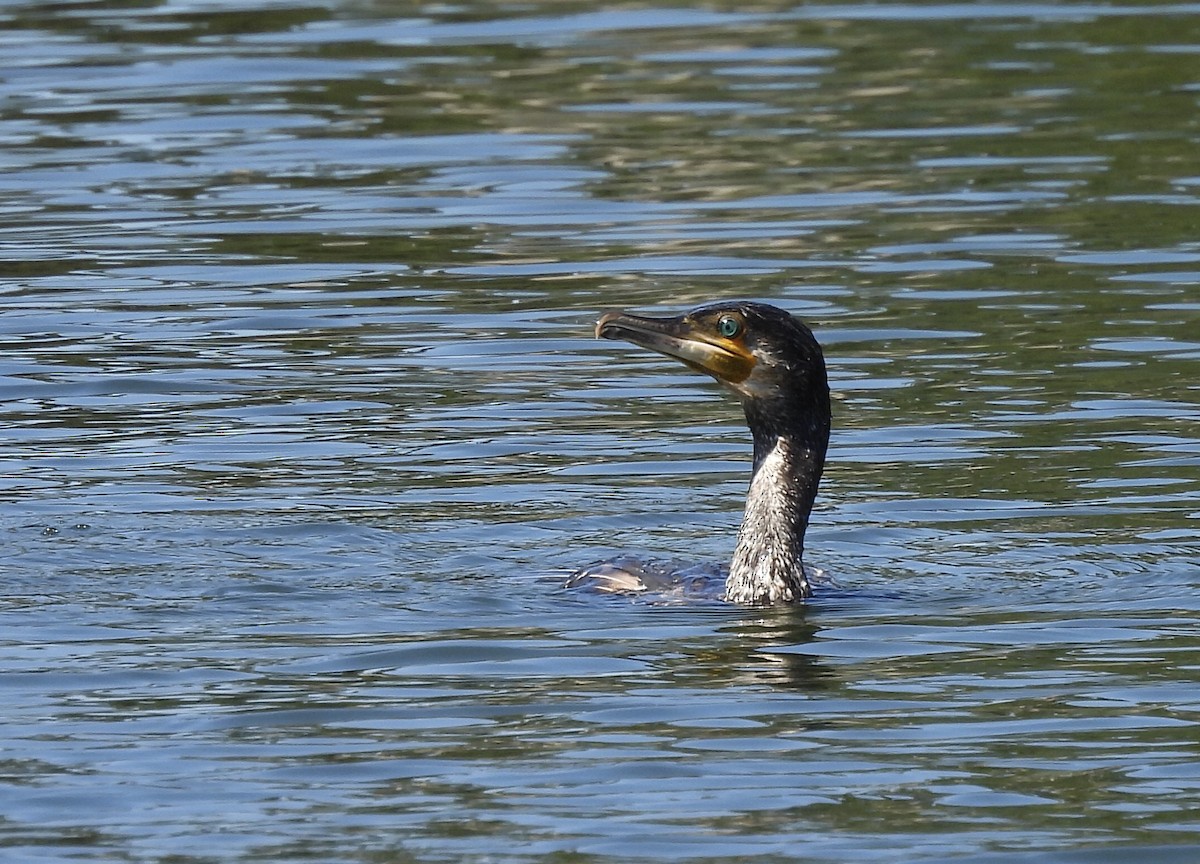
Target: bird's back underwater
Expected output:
[664,581]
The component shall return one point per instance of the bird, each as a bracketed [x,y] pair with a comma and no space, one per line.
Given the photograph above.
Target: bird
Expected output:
[775,367]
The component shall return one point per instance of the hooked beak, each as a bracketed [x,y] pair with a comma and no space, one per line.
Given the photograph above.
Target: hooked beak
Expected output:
[684,339]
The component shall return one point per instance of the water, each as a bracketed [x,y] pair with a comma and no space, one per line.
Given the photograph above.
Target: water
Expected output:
[303,424]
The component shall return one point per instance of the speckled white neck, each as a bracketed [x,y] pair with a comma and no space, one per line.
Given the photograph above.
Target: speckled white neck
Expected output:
[766,566]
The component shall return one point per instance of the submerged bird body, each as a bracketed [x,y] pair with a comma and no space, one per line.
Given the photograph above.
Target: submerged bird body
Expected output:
[775,367]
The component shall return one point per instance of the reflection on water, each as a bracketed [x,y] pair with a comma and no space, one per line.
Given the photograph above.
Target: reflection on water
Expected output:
[303,424]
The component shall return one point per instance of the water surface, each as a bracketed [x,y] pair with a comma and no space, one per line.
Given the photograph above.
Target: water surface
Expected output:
[303,425]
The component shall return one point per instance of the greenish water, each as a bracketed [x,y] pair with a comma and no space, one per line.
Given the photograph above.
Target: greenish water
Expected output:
[303,425]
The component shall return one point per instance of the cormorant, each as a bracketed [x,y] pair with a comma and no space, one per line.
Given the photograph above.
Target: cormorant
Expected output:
[773,364]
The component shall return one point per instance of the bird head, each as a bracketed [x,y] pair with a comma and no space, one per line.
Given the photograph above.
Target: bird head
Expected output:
[769,359]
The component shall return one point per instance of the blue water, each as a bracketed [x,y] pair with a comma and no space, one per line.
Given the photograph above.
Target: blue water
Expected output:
[304,425]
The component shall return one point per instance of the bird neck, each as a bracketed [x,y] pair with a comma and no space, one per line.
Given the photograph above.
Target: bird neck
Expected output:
[767,564]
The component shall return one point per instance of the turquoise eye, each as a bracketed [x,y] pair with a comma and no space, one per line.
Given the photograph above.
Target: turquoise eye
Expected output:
[728,326]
